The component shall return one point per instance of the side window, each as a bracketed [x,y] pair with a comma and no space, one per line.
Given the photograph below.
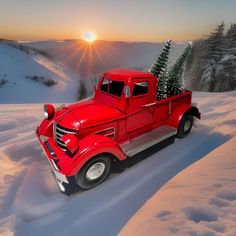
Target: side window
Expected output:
[105,84]
[116,88]
[140,88]
[112,87]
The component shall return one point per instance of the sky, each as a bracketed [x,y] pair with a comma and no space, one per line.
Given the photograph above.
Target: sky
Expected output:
[125,20]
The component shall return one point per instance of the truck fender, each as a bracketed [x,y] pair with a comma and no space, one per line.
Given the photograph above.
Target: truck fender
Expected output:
[180,111]
[93,145]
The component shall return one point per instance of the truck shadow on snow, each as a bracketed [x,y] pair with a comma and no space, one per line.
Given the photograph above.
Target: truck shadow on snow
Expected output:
[118,167]
[191,149]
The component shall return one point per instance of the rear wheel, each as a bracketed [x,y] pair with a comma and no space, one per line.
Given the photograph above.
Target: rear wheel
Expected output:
[94,172]
[185,126]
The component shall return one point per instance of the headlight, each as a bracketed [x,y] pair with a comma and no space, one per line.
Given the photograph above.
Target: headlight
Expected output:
[48,111]
[71,142]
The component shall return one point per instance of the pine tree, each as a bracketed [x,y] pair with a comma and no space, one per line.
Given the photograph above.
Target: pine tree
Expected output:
[82,93]
[216,43]
[159,69]
[161,62]
[162,83]
[231,39]
[175,74]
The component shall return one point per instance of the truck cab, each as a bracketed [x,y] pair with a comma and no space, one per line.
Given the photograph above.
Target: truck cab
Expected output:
[123,118]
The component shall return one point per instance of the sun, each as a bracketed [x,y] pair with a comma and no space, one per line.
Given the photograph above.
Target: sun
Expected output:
[89,37]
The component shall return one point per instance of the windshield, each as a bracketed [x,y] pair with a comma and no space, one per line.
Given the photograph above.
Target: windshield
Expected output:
[112,87]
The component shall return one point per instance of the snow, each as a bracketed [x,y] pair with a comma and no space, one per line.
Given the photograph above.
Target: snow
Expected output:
[200,200]
[17,65]
[31,203]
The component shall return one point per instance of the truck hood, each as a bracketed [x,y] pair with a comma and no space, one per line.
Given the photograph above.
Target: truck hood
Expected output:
[89,113]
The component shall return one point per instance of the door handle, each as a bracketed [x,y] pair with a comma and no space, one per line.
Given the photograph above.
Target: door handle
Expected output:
[149,104]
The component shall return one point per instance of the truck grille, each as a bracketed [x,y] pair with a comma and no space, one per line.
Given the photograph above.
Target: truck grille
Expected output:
[59,131]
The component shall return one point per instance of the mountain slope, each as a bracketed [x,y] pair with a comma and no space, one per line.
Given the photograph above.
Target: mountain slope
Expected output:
[27,76]
[88,59]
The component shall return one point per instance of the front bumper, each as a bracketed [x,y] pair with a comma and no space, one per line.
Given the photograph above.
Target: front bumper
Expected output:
[53,158]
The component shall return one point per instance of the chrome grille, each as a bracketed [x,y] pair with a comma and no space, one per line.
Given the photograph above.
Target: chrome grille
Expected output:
[59,131]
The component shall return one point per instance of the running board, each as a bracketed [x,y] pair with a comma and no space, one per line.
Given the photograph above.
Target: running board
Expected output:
[147,140]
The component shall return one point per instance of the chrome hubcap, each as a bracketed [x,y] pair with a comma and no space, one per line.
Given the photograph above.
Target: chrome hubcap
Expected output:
[95,171]
[187,125]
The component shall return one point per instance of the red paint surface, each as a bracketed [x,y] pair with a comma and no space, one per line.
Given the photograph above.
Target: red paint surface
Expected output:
[94,120]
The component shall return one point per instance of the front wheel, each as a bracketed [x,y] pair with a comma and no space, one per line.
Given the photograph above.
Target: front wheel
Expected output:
[185,126]
[94,172]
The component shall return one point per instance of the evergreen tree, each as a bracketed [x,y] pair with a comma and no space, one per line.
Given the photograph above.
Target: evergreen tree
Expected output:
[162,83]
[161,62]
[175,74]
[82,93]
[216,43]
[231,38]
[159,69]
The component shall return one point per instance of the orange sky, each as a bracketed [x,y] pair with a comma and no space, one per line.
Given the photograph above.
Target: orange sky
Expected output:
[140,20]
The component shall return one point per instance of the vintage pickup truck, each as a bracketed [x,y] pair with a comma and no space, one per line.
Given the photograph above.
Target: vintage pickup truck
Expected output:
[123,118]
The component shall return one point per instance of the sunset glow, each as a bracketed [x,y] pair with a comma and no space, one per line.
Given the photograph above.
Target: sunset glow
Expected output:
[89,37]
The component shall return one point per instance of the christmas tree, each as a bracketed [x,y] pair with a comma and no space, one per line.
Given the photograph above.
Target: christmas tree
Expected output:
[162,86]
[175,74]
[159,69]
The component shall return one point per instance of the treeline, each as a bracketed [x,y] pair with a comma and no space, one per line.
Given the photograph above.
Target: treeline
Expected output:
[212,62]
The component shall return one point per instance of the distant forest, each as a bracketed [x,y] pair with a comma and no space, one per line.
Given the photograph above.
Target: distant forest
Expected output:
[212,63]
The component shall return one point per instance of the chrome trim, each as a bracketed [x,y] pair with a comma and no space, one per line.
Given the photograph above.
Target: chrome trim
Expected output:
[50,149]
[58,132]
[150,104]
[65,130]
[54,164]
[147,140]
[113,132]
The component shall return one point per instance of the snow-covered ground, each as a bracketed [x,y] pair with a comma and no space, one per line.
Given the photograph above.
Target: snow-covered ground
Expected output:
[31,204]
[200,200]
[17,68]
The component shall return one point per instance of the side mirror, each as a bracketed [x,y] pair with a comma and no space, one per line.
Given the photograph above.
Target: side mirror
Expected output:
[94,83]
[127,91]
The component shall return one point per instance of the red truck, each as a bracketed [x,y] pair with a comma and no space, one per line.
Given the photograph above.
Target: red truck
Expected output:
[123,118]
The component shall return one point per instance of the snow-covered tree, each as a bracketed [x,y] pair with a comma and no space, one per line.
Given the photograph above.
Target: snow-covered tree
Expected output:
[231,35]
[216,43]
[161,62]
[159,69]
[175,74]
[162,86]
[212,62]
[231,39]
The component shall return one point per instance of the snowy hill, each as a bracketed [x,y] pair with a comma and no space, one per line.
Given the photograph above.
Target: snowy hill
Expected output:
[95,58]
[31,204]
[27,76]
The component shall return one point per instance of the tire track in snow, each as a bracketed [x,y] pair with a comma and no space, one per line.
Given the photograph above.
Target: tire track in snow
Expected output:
[9,199]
